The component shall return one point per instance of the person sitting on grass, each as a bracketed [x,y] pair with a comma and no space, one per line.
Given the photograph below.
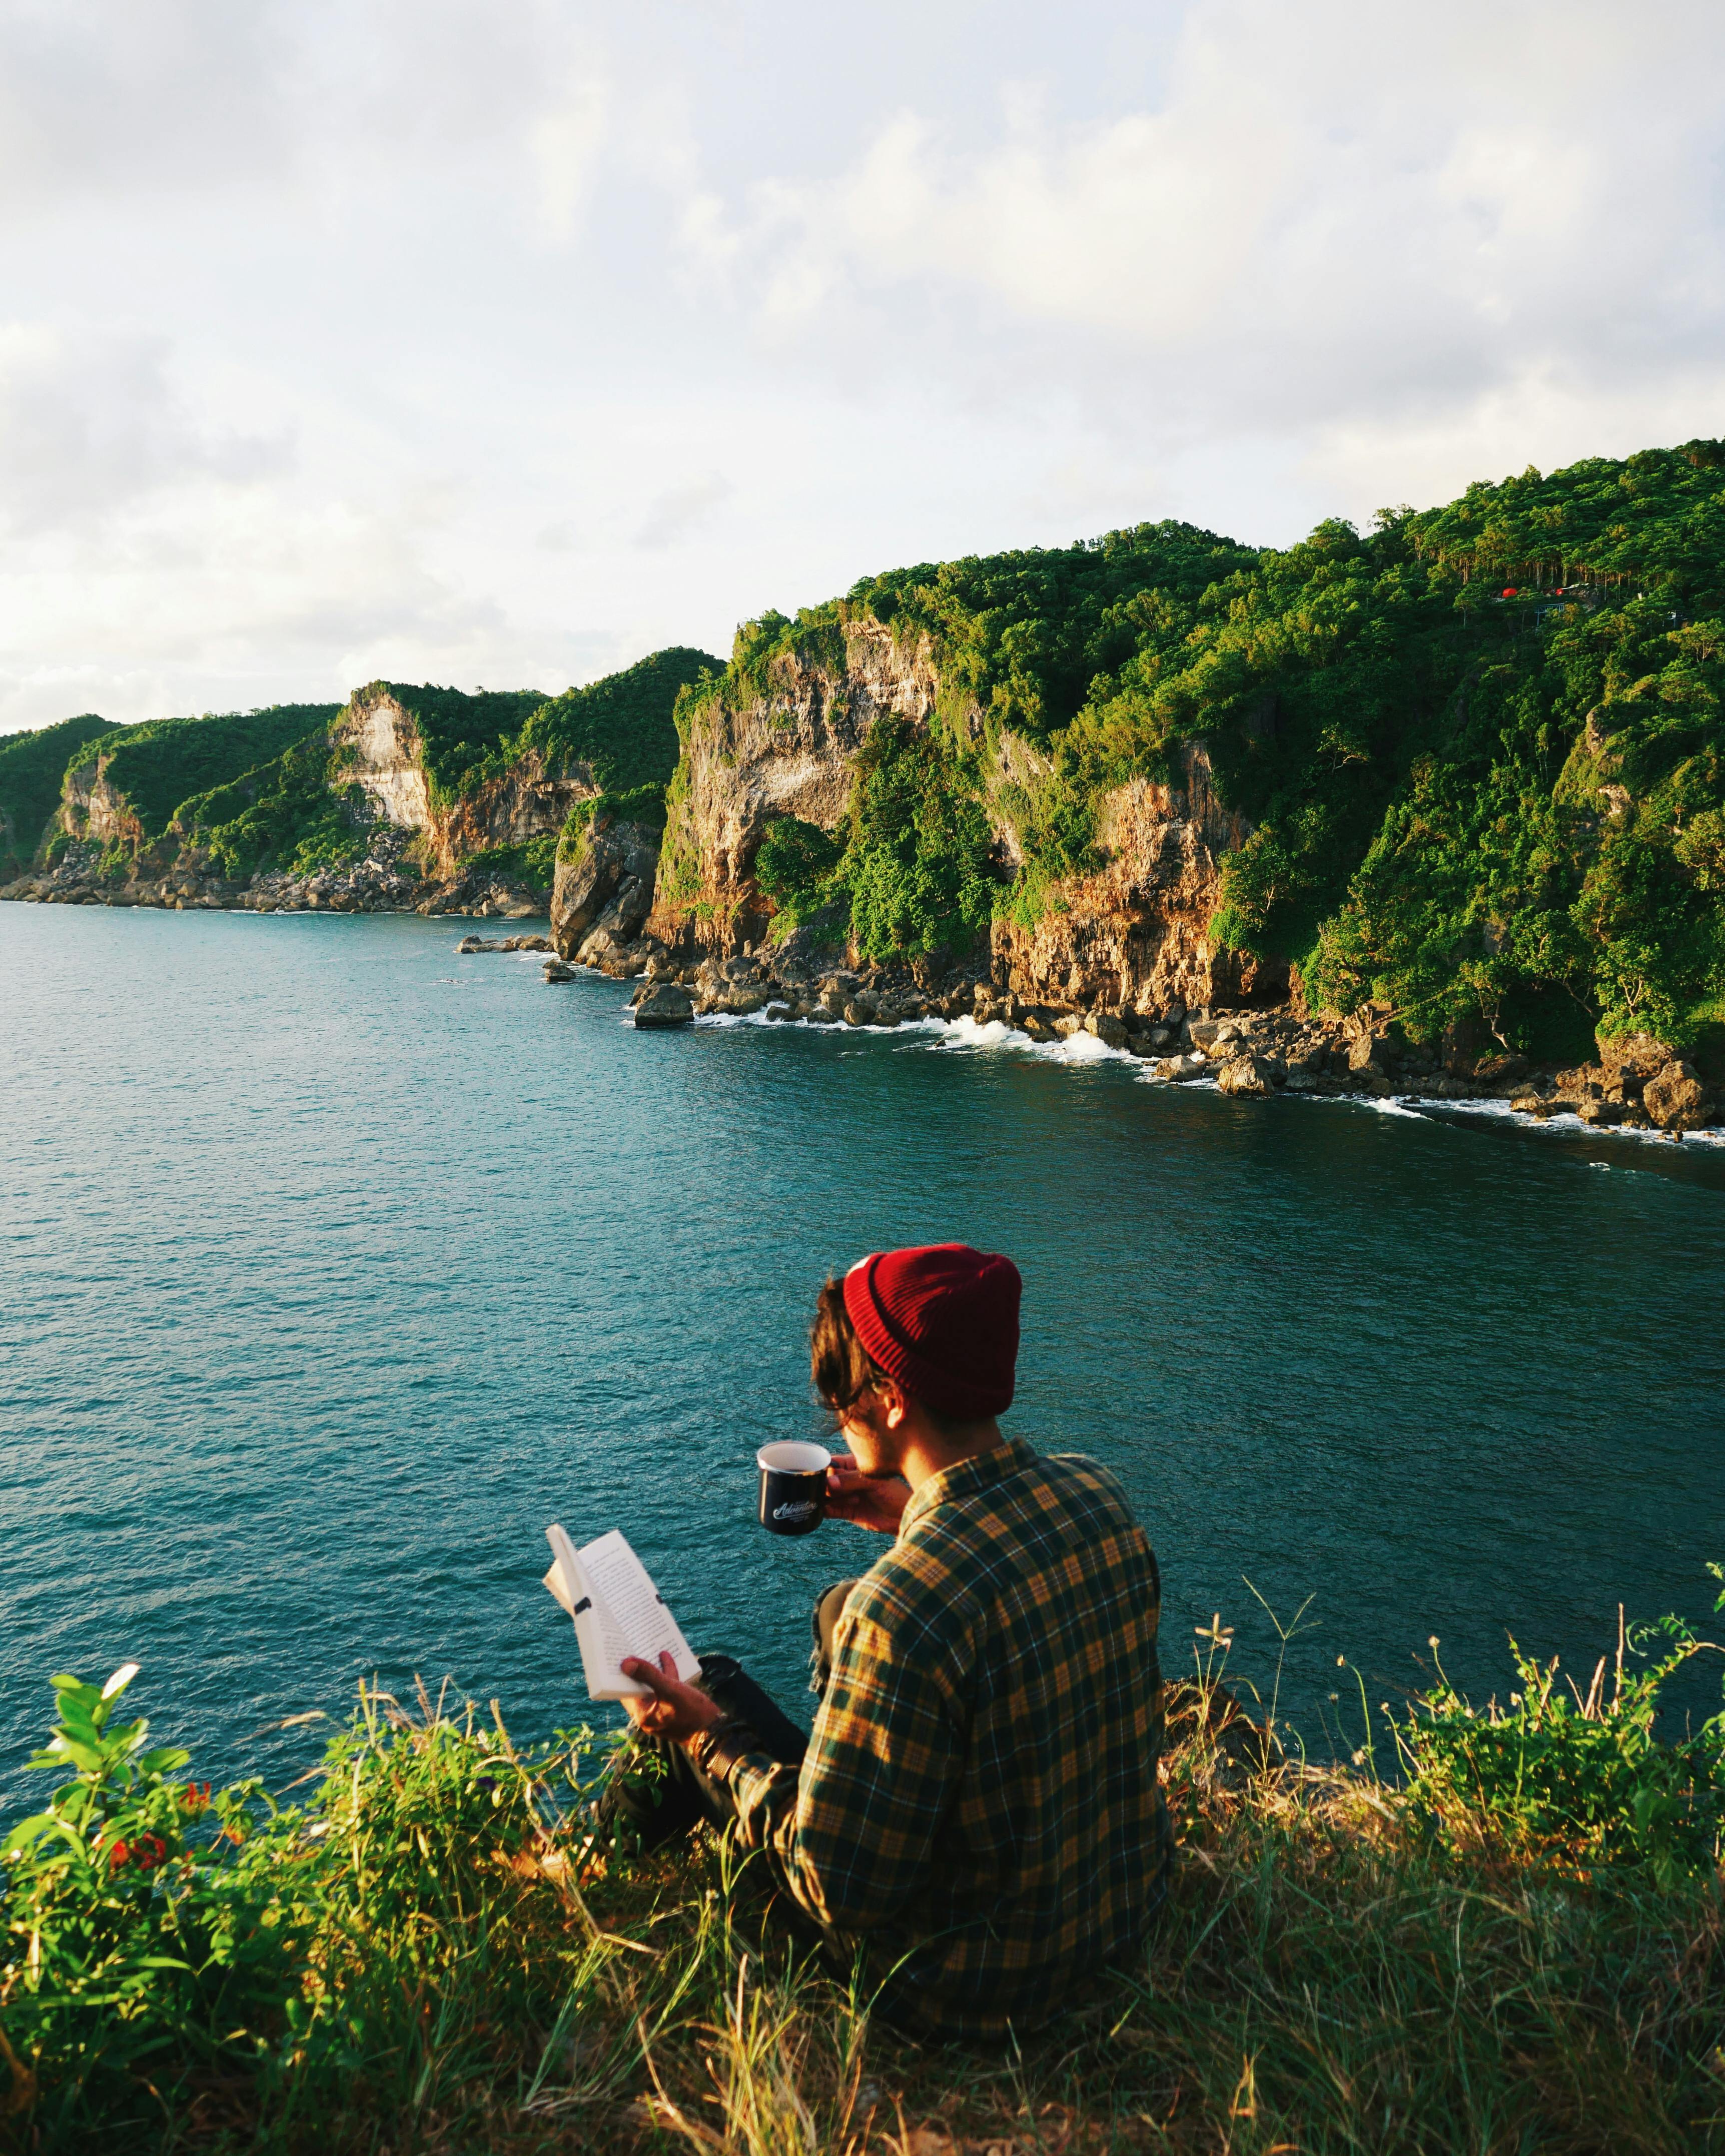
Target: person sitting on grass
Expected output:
[977,1805]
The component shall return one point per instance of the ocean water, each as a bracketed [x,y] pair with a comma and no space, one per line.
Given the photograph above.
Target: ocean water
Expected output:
[335,1266]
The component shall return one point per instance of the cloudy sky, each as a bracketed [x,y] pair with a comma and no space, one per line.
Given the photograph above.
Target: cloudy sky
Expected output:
[501,341]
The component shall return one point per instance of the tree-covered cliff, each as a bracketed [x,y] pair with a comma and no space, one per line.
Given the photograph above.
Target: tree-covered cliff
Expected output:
[1476,755]
[153,768]
[299,790]
[32,766]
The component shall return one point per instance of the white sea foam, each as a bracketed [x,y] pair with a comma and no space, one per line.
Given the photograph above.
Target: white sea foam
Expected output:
[965,1035]
[1567,1125]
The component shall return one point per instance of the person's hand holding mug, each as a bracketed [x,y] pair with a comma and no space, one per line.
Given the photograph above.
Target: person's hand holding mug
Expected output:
[865,1501]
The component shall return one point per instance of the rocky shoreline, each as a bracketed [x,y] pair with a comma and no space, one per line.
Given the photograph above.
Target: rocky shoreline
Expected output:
[602,903]
[1639,1083]
[385,880]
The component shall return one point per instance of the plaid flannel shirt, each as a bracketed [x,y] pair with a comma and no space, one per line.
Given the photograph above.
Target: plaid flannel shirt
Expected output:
[979,1799]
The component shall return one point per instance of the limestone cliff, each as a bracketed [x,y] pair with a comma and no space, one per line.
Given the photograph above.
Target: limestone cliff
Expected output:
[1134,934]
[93,810]
[379,740]
[786,752]
[604,891]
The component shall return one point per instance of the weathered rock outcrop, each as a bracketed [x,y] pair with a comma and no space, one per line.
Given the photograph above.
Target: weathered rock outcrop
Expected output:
[1675,1099]
[1136,935]
[789,753]
[664,1004]
[606,890]
[92,809]
[1133,935]
[383,752]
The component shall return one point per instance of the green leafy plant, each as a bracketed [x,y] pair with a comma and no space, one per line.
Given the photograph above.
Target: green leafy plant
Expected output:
[139,1936]
[1504,1948]
[795,865]
[1579,1778]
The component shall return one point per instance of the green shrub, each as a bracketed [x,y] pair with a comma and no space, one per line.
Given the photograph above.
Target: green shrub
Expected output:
[917,872]
[1578,1779]
[794,866]
[143,1935]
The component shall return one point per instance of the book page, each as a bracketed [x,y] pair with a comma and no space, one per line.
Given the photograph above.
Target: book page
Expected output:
[630,1617]
[568,1581]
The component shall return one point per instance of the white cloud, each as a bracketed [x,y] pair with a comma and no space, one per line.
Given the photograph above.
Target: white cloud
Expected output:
[567,139]
[675,515]
[351,336]
[88,421]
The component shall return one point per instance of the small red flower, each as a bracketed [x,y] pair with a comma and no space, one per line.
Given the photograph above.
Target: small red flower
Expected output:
[149,1850]
[194,1797]
[1509,591]
[120,1855]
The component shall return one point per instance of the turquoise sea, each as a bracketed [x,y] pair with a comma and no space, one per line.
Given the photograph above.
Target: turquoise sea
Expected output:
[336,1265]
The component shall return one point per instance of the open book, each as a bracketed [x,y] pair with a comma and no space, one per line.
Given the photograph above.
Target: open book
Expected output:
[618,1612]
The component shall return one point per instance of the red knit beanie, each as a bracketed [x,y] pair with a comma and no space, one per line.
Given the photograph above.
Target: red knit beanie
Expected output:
[944,1321]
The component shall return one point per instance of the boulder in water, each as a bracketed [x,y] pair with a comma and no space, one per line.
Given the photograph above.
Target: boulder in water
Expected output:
[1246,1074]
[1675,1099]
[664,1004]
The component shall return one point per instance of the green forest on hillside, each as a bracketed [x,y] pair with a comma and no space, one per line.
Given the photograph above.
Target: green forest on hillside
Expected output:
[621,726]
[164,762]
[32,766]
[265,789]
[1403,714]
[293,812]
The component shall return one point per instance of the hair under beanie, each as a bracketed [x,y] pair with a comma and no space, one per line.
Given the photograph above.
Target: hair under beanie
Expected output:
[944,1321]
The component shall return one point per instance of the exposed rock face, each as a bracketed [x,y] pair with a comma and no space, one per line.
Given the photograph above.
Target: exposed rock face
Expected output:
[91,808]
[522,802]
[608,887]
[788,753]
[386,756]
[1133,936]
[1628,1058]
[1675,1099]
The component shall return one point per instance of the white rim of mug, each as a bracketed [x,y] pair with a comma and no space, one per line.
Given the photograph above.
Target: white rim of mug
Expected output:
[816,1460]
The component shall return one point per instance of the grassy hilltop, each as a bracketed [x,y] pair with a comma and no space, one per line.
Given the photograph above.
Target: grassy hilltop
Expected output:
[1494,1929]
[1483,745]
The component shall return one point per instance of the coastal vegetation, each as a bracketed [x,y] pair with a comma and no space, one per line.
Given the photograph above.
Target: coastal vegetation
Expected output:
[619,729]
[1481,748]
[1464,771]
[1462,1928]
[911,870]
[156,766]
[32,768]
[241,794]
[295,812]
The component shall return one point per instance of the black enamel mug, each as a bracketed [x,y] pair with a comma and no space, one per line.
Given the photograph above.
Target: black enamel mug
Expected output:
[793,1486]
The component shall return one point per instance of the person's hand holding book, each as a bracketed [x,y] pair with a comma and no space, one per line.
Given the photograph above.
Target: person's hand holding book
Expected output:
[671,1708]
